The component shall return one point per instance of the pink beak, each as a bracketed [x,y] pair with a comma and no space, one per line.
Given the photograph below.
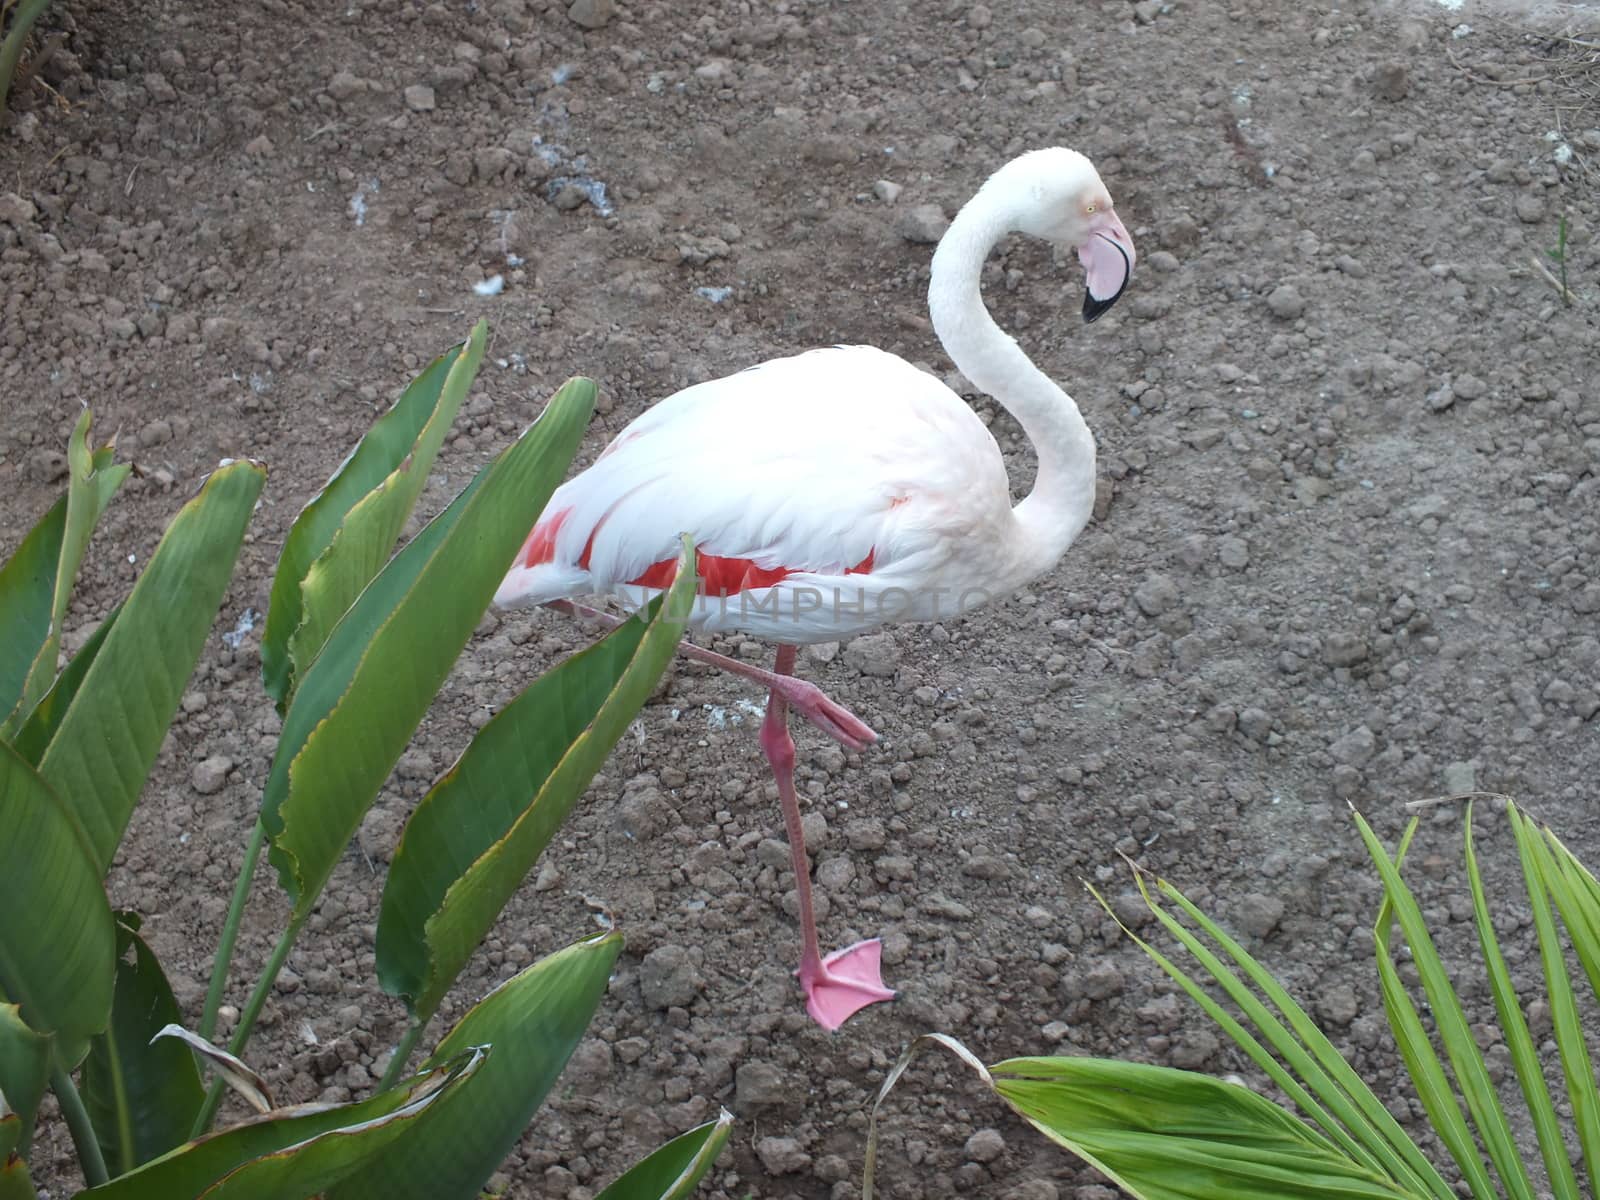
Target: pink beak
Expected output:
[1107,257]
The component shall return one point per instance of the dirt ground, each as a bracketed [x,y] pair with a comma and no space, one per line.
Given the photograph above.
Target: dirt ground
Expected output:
[1349,431]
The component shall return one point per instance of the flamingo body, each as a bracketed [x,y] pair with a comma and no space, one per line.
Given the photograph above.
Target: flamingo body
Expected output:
[827,494]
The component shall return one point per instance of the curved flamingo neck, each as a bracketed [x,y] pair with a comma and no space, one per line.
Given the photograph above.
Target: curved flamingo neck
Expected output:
[1059,506]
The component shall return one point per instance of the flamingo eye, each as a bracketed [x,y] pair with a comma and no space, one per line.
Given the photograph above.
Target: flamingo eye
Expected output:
[1089,209]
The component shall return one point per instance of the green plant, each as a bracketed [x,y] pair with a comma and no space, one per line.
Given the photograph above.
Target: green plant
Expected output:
[1161,1133]
[355,648]
[16,19]
[1558,255]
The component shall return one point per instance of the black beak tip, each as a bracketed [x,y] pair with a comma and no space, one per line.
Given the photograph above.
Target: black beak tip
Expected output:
[1094,309]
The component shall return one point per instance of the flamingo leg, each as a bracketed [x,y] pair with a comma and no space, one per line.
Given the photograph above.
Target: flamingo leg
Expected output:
[847,980]
[807,699]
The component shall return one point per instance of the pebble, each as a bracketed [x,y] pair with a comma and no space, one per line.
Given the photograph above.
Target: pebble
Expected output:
[667,978]
[887,191]
[1344,649]
[979,16]
[592,14]
[1233,553]
[758,1084]
[1355,748]
[984,1146]
[343,85]
[209,776]
[1530,208]
[1258,914]
[782,1155]
[1156,595]
[1146,11]
[875,655]
[15,211]
[419,98]
[923,224]
[1285,302]
[1459,778]
[1392,81]
[1338,1004]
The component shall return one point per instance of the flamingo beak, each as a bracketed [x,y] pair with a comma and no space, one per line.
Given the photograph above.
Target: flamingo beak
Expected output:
[1107,256]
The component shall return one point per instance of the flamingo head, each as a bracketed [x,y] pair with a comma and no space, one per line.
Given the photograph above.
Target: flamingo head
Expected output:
[1057,195]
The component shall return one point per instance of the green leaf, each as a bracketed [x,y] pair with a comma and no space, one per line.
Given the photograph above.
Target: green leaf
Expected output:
[14,1181]
[24,1071]
[1163,1134]
[1319,1081]
[108,737]
[676,1169]
[477,833]
[358,705]
[57,944]
[36,583]
[1508,1008]
[345,534]
[532,1023]
[1543,876]
[296,1153]
[34,737]
[142,1098]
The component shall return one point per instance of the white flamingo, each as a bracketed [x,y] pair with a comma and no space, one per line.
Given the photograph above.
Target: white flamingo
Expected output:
[843,489]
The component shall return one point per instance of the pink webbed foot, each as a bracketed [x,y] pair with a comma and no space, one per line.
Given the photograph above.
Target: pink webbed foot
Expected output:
[844,983]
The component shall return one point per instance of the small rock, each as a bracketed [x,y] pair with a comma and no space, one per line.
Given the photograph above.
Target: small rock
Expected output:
[887,191]
[782,1155]
[1392,81]
[979,16]
[758,1084]
[343,85]
[592,14]
[875,655]
[667,978]
[1255,724]
[1195,1050]
[1258,915]
[419,98]
[1530,208]
[209,776]
[1146,11]
[15,211]
[1156,595]
[1338,1004]
[1285,302]
[1233,553]
[1460,778]
[1355,748]
[259,147]
[1103,981]
[924,224]
[1344,650]
[155,433]
[984,1146]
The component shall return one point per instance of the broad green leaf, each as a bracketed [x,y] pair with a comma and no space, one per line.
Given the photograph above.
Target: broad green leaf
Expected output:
[344,535]
[14,1181]
[296,1153]
[674,1171]
[477,833]
[34,737]
[24,1071]
[142,1096]
[109,735]
[1508,1008]
[1162,1134]
[1543,876]
[358,705]
[36,583]
[57,944]
[532,1023]
[1466,1060]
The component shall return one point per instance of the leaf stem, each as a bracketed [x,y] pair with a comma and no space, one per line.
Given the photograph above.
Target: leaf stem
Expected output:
[78,1123]
[230,931]
[247,1019]
[402,1054]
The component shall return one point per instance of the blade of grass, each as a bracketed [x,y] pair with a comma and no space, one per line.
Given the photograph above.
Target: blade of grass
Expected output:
[1524,1055]
[1579,902]
[1542,875]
